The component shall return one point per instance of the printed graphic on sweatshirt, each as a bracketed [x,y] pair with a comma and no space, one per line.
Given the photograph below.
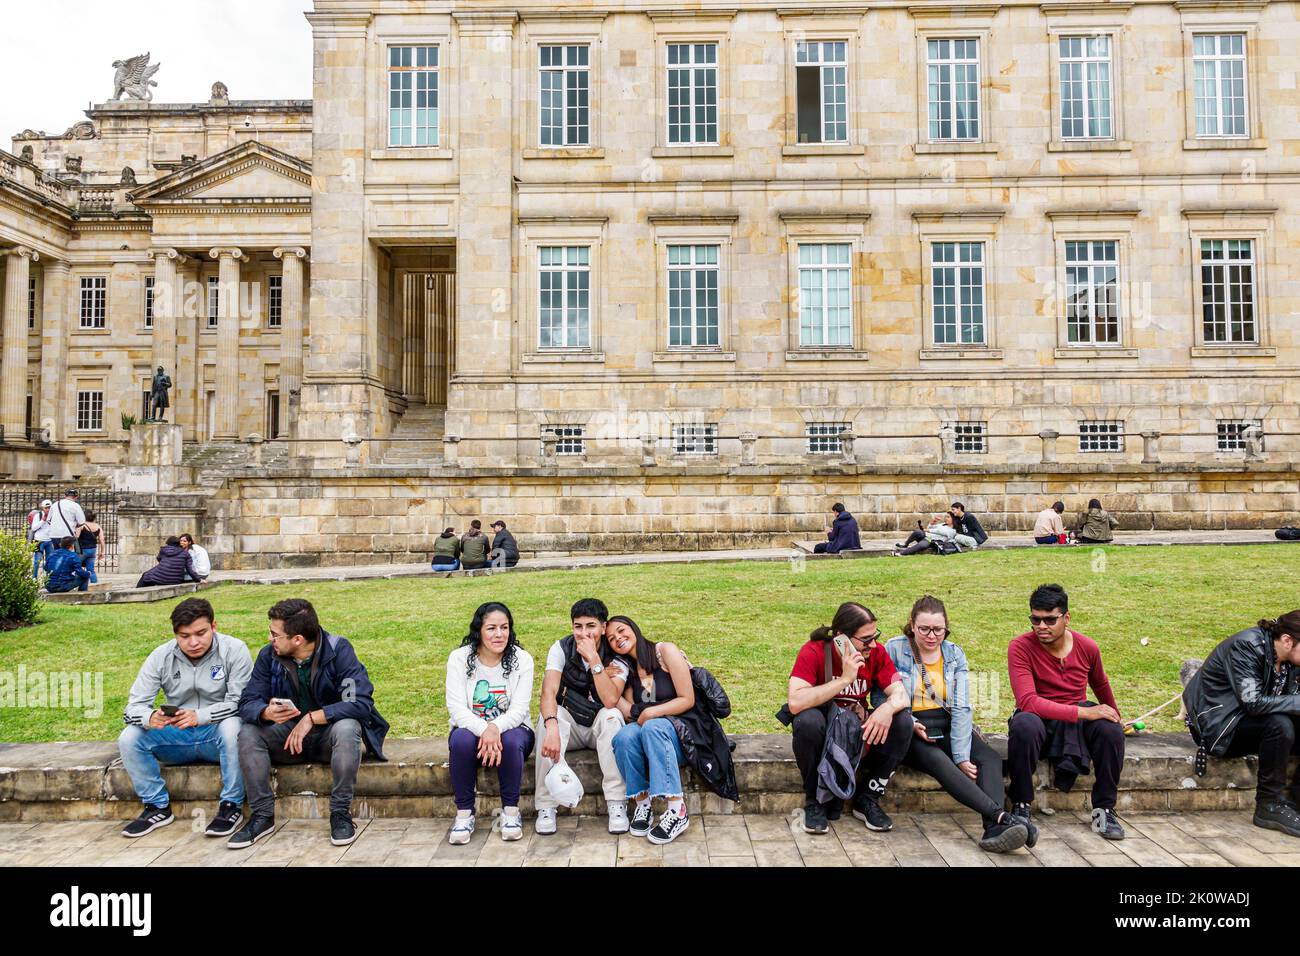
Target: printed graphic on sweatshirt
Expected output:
[490,700]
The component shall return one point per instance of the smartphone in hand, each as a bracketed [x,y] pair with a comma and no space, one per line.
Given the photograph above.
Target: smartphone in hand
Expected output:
[169,710]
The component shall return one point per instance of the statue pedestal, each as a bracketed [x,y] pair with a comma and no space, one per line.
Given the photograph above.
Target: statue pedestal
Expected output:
[152,460]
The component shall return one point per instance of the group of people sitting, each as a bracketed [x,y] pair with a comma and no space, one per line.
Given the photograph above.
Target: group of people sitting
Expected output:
[180,559]
[948,533]
[472,550]
[65,541]
[1096,525]
[858,709]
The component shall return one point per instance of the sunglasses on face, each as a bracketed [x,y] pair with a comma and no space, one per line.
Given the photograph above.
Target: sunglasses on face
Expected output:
[1048,619]
[865,642]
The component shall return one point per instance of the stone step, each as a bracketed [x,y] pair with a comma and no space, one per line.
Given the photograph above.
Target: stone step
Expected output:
[85,781]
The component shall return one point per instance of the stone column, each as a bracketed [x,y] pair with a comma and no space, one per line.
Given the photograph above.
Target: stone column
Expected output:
[227,370]
[1150,448]
[291,258]
[166,296]
[13,362]
[1049,438]
[57,304]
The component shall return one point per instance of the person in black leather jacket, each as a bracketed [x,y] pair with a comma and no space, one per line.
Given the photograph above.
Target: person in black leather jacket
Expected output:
[1244,700]
[967,524]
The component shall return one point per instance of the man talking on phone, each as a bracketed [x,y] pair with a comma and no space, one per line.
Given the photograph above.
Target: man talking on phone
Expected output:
[309,699]
[201,675]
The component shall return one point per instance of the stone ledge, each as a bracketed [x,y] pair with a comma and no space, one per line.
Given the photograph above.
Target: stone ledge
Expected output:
[81,781]
[126,595]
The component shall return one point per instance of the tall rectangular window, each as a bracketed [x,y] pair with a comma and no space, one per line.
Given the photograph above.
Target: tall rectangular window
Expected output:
[824,437]
[1085,88]
[412,96]
[693,296]
[953,78]
[565,284]
[90,411]
[31,302]
[821,79]
[94,301]
[274,301]
[1219,71]
[1101,436]
[1228,290]
[957,292]
[565,96]
[695,439]
[1092,292]
[148,302]
[214,301]
[825,295]
[692,94]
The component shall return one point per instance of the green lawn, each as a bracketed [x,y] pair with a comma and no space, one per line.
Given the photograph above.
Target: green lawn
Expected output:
[743,621]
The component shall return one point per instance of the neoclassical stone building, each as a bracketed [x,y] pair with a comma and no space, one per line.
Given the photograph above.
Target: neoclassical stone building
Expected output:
[653,275]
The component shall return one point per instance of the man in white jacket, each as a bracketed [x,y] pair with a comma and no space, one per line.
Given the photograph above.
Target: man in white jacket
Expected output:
[201,675]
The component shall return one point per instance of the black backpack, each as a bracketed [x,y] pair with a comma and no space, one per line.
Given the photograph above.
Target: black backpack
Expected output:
[1287,534]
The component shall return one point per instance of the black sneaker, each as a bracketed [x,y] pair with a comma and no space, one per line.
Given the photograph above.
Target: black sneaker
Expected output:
[868,811]
[641,815]
[1010,833]
[834,809]
[342,830]
[253,830]
[150,819]
[227,820]
[814,818]
[1021,812]
[1278,815]
[672,823]
[1105,823]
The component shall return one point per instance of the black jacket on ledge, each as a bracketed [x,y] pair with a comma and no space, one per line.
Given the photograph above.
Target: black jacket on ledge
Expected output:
[1233,683]
[174,563]
[704,743]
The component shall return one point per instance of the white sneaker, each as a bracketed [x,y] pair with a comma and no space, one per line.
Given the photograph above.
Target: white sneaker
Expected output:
[617,817]
[461,830]
[512,825]
[545,822]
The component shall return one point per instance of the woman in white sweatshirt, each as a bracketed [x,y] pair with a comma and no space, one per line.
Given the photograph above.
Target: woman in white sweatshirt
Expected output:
[489,690]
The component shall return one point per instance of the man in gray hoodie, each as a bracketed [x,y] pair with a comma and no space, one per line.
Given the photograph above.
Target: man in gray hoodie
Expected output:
[201,675]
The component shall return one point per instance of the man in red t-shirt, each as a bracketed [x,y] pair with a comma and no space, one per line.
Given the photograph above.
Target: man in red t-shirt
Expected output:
[886,730]
[1051,669]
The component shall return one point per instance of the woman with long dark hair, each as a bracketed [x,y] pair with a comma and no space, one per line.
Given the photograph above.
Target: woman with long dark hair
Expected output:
[936,676]
[648,751]
[489,689]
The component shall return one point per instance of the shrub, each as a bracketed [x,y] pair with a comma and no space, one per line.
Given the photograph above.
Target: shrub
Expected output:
[19,603]
[128,421]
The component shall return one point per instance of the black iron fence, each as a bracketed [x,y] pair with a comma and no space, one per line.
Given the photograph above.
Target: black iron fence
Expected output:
[16,502]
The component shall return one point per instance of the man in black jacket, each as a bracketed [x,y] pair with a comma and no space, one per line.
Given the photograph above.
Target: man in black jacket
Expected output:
[309,699]
[175,566]
[504,549]
[967,524]
[1244,700]
[842,535]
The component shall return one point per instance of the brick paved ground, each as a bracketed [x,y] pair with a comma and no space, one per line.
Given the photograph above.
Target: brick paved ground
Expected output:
[923,839]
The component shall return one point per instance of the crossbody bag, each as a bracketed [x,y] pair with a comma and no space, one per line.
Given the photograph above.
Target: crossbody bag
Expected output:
[934,698]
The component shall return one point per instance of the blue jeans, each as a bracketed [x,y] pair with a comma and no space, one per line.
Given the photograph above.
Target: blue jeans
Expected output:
[142,750]
[649,758]
[79,583]
[88,562]
[41,557]
[454,566]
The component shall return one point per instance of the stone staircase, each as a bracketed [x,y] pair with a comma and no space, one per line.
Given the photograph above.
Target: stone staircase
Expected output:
[211,462]
[417,439]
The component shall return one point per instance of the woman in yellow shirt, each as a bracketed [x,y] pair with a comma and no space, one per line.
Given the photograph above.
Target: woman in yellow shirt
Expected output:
[944,745]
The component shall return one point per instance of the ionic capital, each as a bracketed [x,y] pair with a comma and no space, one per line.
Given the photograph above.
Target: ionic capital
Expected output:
[223,252]
[291,251]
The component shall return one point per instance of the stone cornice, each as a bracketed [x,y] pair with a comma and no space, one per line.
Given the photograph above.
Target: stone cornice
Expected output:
[704,217]
[941,214]
[1227,210]
[484,22]
[818,215]
[1093,212]
[956,11]
[562,220]
[1101,6]
[347,23]
[221,167]
[244,206]
[698,13]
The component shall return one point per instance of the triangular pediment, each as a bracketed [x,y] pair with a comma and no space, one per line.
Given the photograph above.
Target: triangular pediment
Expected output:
[248,171]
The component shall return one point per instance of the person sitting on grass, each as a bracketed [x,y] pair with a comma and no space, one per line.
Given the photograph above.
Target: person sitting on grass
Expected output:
[64,571]
[1096,525]
[886,728]
[201,674]
[474,547]
[579,710]
[842,535]
[446,551]
[1048,527]
[1051,669]
[175,566]
[309,699]
[935,673]
[942,528]
[489,689]
[1244,700]
[968,525]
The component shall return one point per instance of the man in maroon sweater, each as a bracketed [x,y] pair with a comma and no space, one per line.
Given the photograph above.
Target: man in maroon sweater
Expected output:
[1051,669]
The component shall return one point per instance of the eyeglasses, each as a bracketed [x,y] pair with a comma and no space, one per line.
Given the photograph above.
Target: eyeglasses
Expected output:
[1048,619]
[931,631]
[865,641]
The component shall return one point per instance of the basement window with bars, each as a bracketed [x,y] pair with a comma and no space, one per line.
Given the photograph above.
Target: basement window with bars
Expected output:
[1101,436]
[970,438]
[695,439]
[568,439]
[824,437]
[1232,433]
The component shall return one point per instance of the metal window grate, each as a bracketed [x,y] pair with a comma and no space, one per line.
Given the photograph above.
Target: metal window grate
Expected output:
[695,439]
[568,439]
[1232,433]
[970,438]
[824,437]
[1101,436]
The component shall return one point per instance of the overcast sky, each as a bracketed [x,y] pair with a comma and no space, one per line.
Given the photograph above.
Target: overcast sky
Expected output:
[57,56]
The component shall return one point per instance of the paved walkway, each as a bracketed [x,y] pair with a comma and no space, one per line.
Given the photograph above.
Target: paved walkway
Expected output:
[870,548]
[923,839]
